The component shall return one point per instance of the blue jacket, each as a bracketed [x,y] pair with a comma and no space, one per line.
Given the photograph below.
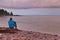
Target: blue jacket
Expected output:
[11,23]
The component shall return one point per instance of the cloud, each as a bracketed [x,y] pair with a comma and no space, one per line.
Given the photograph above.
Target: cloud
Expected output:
[29,3]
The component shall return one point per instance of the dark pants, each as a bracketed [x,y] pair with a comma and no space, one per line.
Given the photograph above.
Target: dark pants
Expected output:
[15,25]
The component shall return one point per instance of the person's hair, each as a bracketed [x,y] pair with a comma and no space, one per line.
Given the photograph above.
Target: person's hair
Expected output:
[10,18]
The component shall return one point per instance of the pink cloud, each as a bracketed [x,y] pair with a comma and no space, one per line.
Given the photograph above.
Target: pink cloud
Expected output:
[29,3]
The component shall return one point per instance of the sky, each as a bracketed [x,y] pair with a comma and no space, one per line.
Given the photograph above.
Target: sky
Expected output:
[28,7]
[29,3]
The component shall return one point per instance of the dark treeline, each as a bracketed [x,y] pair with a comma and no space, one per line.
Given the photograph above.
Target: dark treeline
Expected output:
[5,13]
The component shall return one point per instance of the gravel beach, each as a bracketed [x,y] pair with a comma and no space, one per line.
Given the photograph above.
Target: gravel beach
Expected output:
[26,35]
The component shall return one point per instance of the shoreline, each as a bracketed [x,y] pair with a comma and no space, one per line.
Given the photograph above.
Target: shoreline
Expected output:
[28,35]
[43,24]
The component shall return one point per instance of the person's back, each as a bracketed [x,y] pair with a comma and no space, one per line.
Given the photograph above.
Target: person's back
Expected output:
[11,23]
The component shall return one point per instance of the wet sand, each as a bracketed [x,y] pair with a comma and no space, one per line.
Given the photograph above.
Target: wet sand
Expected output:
[26,35]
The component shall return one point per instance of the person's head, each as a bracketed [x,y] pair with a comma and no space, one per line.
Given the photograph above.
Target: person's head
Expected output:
[10,18]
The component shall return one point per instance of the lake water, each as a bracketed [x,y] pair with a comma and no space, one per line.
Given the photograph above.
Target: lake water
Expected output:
[46,24]
[36,11]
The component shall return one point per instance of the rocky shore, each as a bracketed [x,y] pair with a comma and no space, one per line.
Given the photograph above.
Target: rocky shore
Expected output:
[7,34]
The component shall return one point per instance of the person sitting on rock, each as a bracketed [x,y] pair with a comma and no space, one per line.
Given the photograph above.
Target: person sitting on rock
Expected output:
[12,24]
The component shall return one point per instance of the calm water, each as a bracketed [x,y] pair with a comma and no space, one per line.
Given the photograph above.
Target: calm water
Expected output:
[46,24]
[36,11]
